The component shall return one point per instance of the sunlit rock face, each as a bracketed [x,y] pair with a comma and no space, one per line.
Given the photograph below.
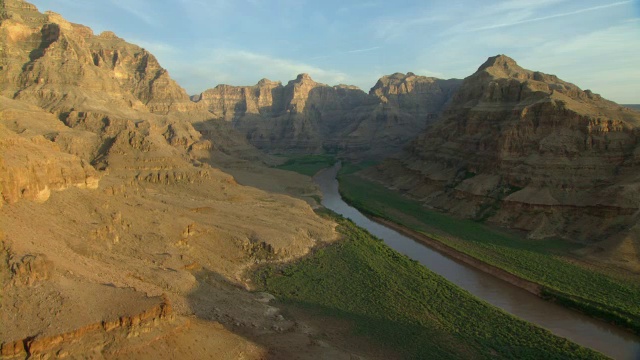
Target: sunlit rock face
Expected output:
[60,65]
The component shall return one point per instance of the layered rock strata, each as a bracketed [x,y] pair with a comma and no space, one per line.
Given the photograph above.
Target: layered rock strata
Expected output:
[109,199]
[527,150]
[61,66]
[306,116]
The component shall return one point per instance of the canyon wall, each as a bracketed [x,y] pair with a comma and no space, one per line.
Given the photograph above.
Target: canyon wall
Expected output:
[308,117]
[526,150]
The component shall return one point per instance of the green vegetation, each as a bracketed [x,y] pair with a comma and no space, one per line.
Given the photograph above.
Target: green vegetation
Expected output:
[308,164]
[403,305]
[541,261]
[350,168]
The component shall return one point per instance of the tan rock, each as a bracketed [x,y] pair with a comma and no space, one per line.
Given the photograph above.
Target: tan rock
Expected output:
[533,144]
[307,116]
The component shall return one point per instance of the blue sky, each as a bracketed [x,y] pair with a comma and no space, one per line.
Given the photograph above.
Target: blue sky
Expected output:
[592,43]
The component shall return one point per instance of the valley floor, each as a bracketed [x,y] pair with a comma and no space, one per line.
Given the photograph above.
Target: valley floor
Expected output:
[599,291]
[403,306]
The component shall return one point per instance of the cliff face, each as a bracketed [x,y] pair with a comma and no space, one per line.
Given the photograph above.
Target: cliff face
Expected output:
[306,116]
[108,200]
[527,150]
[59,65]
[32,163]
[420,96]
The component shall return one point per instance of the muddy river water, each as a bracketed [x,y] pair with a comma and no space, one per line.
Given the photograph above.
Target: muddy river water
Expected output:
[588,332]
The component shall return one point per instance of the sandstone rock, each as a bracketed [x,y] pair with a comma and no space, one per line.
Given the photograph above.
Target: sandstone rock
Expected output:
[33,165]
[59,65]
[75,108]
[421,96]
[526,143]
[306,116]
[30,269]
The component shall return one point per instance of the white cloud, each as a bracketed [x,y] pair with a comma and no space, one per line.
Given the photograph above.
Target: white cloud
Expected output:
[429,73]
[552,16]
[137,8]
[241,67]
[519,5]
[157,48]
[362,50]
[357,7]
[605,61]
[352,51]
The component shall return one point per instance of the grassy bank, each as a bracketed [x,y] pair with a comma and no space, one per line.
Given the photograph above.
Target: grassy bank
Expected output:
[308,164]
[540,261]
[402,305]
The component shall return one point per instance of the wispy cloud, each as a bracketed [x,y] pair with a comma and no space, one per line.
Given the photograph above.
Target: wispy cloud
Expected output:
[587,61]
[353,51]
[520,5]
[242,67]
[392,27]
[138,9]
[553,16]
[357,7]
[157,48]
[362,50]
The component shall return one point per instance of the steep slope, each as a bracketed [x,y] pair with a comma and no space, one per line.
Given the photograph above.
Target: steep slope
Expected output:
[423,97]
[114,227]
[529,151]
[33,163]
[306,116]
[62,66]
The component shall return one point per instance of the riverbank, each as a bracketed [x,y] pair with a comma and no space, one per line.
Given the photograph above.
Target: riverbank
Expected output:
[497,272]
[536,266]
[399,303]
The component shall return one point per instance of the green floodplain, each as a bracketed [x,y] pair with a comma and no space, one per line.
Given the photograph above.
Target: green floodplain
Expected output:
[409,308]
[603,295]
[400,304]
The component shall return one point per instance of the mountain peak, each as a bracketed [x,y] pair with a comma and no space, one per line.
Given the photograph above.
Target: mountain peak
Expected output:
[265,82]
[502,66]
[502,62]
[304,77]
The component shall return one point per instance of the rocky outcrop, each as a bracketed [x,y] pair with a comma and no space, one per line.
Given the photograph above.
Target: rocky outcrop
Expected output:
[421,96]
[527,150]
[41,346]
[31,268]
[60,66]
[80,111]
[307,116]
[231,102]
[36,154]
[31,169]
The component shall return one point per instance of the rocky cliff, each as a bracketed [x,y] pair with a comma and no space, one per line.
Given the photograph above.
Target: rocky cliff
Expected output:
[33,163]
[420,96]
[110,198]
[307,116]
[62,66]
[527,150]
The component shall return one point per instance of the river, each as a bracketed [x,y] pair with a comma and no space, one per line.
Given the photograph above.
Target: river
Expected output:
[581,329]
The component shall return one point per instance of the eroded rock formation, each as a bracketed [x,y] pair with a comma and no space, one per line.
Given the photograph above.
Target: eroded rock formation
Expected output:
[101,171]
[62,66]
[306,116]
[527,150]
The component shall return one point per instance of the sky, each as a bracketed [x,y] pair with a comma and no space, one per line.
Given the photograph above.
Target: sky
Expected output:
[594,44]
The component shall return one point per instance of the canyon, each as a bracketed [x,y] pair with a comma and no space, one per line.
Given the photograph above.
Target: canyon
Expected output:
[309,117]
[528,151]
[131,213]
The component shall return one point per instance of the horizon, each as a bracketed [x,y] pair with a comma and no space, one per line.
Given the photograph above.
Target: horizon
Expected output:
[592,44]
